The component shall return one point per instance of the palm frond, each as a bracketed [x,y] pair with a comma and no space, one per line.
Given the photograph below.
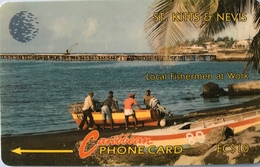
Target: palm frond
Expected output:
[254,48]
[209,6]
[257,13]
[215,26]
[164,33]
[254,54]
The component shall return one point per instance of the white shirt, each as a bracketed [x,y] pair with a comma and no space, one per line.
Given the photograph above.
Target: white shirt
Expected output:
[88,103]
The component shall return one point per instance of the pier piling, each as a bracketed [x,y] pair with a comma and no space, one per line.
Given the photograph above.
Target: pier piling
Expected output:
[110,57]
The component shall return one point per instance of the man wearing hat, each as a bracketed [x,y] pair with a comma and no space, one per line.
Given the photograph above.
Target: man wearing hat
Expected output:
[88,107]
[128,110]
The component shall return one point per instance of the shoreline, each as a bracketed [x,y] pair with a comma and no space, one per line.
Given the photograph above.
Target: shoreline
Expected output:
[208,110]
[66,140]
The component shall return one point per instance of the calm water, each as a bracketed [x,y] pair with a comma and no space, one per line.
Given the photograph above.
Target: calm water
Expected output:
[35,94]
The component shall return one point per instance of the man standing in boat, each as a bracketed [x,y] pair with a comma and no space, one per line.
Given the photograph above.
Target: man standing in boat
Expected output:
[147,99]
[128,110]
[88,107]
[106,110]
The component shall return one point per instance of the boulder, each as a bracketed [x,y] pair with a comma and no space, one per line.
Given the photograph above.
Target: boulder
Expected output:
[244,88]
[212,90]
[218,134]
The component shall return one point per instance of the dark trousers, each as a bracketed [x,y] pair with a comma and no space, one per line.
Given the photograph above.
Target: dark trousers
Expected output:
[86,114]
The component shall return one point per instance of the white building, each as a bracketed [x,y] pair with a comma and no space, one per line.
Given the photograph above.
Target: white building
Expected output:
[242,43]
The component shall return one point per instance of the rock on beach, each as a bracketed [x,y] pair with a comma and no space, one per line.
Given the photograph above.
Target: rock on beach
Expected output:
[242,148]
[212,90]
[244,88]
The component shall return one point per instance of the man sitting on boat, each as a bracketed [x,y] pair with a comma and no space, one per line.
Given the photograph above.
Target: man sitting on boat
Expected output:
[147,99]
[106,110]
[128,110]
[155,105]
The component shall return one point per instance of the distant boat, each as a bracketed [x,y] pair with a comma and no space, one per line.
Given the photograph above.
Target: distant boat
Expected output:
[190,133]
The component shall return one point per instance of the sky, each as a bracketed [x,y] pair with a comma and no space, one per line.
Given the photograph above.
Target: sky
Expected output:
[97,26]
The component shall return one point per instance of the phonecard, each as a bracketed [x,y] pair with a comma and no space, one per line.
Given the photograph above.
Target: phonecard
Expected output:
[130,83]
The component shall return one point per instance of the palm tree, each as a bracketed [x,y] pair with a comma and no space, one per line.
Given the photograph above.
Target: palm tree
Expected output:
[254,48]
[184,19]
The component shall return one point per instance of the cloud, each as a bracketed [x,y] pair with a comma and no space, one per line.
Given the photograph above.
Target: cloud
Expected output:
[91,27]
[61,28]
[139,34]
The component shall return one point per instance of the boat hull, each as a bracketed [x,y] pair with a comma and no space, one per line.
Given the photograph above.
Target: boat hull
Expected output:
[188,138]
[144,117]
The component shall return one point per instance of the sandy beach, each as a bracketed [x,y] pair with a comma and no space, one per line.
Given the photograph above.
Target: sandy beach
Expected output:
[66,141]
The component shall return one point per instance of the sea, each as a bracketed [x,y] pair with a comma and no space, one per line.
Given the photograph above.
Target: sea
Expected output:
[35,94]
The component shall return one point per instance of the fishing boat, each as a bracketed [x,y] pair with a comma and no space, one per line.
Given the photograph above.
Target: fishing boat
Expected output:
[145,117]
[189,134]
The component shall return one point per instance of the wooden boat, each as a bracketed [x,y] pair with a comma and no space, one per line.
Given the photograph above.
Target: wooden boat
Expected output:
[145,117]
[190,133]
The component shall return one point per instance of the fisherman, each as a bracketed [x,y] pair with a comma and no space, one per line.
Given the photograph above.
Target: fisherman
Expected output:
[106,110]
[147,99]
[114,106]
[128,110]
[156,106]
[152,103]
[88,108]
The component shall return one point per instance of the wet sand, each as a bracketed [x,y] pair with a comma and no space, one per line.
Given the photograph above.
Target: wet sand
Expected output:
[66,141]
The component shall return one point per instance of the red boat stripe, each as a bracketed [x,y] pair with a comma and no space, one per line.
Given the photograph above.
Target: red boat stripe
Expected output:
[205,131]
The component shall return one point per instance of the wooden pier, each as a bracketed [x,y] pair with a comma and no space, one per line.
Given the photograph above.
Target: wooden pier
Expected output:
[110,57]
